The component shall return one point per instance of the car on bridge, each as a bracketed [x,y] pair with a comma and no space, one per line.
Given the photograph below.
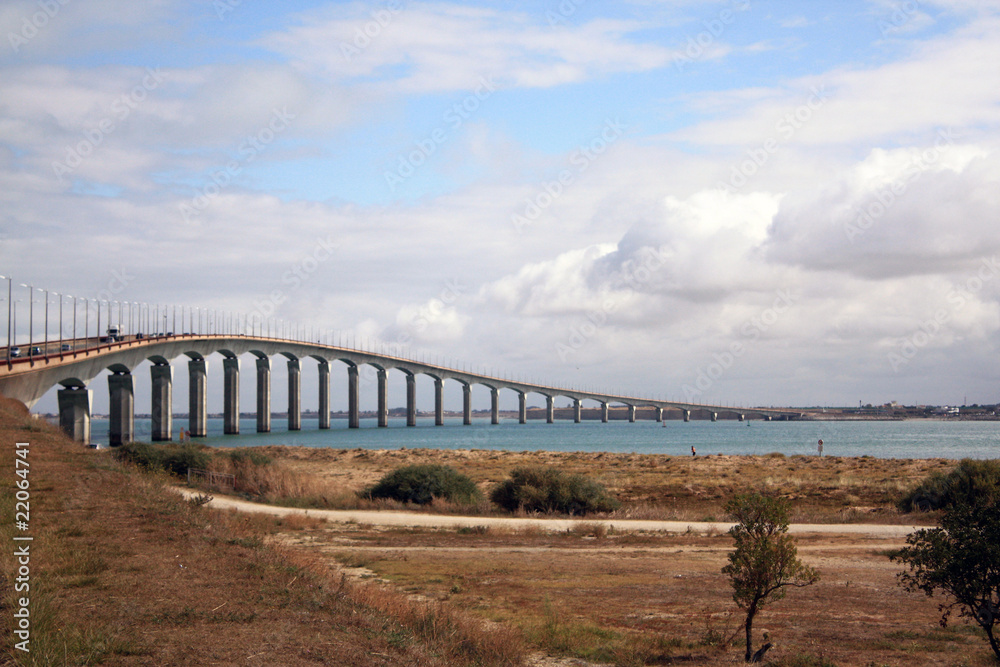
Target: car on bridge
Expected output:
[15,352]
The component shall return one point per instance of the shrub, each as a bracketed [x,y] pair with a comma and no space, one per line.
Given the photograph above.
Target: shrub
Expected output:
[420,484]
[540,489]
[175,459]
[971,481]
[249,456]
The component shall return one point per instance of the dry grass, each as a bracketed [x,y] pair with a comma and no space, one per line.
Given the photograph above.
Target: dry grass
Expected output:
[651,599]
[125,571]
[650,486]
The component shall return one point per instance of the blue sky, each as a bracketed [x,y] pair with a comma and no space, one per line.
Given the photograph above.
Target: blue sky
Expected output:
[658,174]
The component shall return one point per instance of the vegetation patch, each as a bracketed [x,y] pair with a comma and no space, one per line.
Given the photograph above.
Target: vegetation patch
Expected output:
[544,489]
[174,459]
[971,481]
[421,484]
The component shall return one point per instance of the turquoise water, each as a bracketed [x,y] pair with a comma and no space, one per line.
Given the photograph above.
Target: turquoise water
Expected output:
[882,439]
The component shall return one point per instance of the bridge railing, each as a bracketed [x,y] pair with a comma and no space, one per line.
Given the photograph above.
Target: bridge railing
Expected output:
[57,325]
[43,324]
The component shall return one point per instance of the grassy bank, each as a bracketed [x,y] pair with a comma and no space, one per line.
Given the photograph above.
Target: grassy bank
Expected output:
[123,571]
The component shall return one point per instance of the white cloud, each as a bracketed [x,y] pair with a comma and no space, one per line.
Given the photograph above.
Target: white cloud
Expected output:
[947,82]
[436,47]
[900,212]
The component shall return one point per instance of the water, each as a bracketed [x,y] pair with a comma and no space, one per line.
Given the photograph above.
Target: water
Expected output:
[881,439]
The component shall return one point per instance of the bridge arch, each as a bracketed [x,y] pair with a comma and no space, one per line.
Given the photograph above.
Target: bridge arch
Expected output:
[29,379]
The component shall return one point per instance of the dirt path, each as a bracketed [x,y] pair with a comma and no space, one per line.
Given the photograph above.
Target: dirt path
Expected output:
[414,519]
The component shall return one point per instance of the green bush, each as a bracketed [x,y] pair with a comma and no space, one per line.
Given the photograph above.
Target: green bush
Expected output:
[420,484]
[972,481]
[249,457]
[541,489]
[175,459]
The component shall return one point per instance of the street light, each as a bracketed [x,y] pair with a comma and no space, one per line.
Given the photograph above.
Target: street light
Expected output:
[99,302]
[10,309]
[31,315]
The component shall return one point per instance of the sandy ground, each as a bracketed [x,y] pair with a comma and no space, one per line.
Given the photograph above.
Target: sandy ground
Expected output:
[414,519]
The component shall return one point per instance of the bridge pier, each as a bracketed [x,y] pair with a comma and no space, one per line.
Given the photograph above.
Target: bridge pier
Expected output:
[198,398]
[577,411]
[687,415]
[604,413]
[163,402]
[264,395]
[294,395]
[466,404]
[353,408]
[494,405]
[231,395]
[550,410]
[411,399]
[383,409]
[659,414]
[121,417]
[438,402]
[631,414]
[74,413]
[522,408]
[324,394]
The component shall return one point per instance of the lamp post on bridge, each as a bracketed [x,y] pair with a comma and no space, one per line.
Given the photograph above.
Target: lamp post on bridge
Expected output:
[10,308]
[62,332]
[98,302]
[31,315]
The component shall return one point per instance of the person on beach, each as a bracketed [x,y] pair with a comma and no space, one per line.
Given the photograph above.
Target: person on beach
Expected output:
[819,447]
[693,453]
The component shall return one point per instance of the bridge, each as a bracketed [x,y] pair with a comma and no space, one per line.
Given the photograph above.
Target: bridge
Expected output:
[72,363]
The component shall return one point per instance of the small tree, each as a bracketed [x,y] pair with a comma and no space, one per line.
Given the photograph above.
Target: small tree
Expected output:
[962,559]
[764,562]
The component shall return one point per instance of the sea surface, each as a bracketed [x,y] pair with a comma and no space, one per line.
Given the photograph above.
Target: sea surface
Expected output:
[913,439]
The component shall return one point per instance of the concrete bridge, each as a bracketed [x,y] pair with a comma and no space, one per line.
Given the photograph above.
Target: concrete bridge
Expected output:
[73,364]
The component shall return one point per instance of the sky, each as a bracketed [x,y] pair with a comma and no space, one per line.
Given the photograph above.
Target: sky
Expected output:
[739,202]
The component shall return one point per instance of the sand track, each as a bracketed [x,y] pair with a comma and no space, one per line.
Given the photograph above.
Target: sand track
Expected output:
[416,519]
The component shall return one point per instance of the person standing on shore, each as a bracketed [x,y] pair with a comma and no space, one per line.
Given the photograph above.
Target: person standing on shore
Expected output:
[693,453]
[819,447]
